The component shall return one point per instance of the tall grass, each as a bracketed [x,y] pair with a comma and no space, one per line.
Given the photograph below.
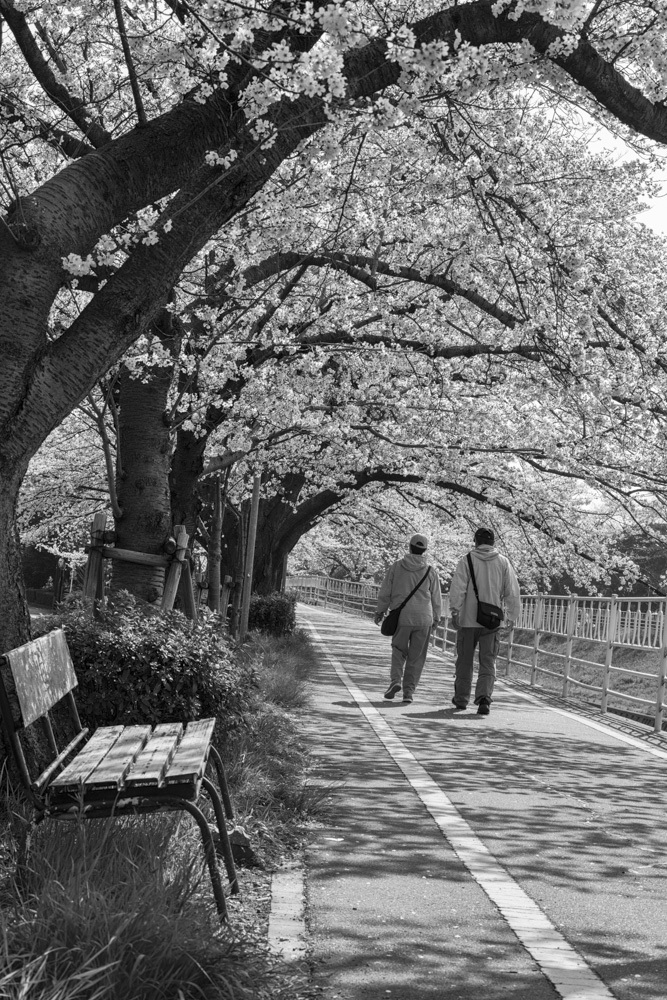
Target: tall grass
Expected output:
[285,664]
[268,768]
[119,910]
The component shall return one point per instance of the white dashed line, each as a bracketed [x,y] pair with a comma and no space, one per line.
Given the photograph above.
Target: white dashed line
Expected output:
[559,962]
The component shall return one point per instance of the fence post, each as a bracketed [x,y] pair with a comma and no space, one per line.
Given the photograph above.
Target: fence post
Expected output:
[510,643]
[326,591]
[539,615]
[609,651]
[445,619]
[662,673]
[571,629]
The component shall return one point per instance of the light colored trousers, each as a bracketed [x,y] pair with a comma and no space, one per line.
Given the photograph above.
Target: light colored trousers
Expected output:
[467,639]
[409,646]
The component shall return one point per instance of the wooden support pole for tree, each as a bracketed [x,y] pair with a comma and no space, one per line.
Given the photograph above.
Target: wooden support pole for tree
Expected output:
[140,558]
[249,557]
[95,566]
[214,552]
[175,569]
[186,591]
[224,597]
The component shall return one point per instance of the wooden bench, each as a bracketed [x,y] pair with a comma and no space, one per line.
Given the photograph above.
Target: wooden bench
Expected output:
[116,771]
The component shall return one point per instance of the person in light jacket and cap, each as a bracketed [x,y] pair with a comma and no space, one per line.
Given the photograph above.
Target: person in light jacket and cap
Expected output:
[409,644]
[496,584]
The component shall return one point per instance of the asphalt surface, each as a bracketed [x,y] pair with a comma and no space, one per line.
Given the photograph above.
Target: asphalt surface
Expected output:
[520,855]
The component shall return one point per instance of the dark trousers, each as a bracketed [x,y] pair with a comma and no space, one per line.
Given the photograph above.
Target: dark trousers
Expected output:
[467,640]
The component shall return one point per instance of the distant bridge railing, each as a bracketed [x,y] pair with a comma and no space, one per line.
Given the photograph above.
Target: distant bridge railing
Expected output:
[608,623]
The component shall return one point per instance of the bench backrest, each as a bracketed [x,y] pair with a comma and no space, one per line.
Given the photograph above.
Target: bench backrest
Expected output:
[43,673]
[34,678]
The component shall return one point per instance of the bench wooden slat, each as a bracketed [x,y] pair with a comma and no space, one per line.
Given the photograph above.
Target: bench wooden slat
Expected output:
[98,746]
[149,767]
[111,770]
[189,761]
[43,674]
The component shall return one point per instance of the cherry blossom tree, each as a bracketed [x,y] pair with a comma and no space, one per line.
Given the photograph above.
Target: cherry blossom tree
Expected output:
[131,137]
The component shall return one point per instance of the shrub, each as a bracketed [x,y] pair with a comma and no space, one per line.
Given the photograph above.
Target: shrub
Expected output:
[135,666]
[275,613]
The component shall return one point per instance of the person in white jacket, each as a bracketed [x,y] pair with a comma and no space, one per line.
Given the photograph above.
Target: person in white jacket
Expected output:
[409,644]
[496,584]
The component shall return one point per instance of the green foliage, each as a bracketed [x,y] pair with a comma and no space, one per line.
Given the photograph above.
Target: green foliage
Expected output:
[135,666]
[274,614]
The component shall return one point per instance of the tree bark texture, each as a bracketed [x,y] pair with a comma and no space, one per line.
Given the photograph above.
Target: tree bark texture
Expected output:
[14,614]
[187,465]
[143,483]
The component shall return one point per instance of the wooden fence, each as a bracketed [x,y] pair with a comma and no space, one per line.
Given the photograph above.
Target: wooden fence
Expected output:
[607,623]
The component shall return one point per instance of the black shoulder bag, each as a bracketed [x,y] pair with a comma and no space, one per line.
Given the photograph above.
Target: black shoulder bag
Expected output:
[488,615]
[390,623]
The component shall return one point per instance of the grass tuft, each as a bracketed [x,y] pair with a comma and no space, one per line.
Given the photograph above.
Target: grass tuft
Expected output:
[116,909]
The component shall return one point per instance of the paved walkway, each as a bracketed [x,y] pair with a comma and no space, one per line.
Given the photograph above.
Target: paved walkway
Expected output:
[520,855]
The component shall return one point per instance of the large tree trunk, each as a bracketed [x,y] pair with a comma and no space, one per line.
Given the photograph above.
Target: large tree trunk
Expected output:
[142,481]
[187,465]
[14,614]
[282,522]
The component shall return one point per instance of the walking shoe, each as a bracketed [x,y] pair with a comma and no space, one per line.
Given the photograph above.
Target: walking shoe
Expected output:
[459,706]
[407,699]
[392,691]
[484,706]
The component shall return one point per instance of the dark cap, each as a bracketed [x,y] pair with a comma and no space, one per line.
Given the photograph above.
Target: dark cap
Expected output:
[484,536]
[419,542]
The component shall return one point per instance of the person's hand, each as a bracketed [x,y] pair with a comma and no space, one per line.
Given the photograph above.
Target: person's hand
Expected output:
[455,621]
[378,616]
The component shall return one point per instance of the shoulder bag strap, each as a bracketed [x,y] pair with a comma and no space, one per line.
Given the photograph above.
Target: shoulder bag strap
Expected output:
[414,591]
[472,577]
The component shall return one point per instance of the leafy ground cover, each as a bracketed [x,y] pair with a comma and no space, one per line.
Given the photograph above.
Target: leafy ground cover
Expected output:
[94,911]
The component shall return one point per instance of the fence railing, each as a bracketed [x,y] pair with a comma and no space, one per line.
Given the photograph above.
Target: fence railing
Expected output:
[608,624]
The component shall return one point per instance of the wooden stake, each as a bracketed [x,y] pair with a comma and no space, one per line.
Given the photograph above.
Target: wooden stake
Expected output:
[175,569]
[224,597]
[187,592]
[95,564]
[249,557]
[214,553]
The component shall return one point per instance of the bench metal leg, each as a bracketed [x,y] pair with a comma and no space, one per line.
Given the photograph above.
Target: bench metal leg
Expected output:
[222,782]
[209,851]
[224,836]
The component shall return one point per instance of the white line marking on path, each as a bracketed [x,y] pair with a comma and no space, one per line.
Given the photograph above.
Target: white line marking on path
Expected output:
[560,963]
